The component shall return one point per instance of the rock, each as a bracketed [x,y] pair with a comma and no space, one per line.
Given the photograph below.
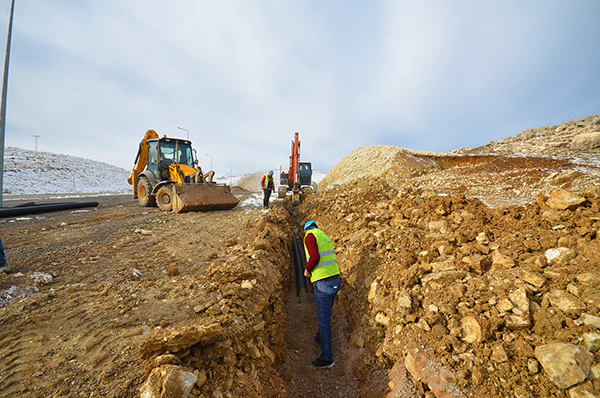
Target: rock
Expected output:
[438,225]
[201,378]
[595,372]
[559,255]
[585,390]
[504,305]
[482,238]
[404,301]
[172,269]
[372,296]
[248,284]
[591,341]
[499,354]
[566,364]
[561,199]
[565,302]
[168,381]
[519,299]
[532,278]
[586,141]
[477,263]
[442,279]
[445,265]
[533,365]
[590,320]
[472,330]
[500,261]
[441,381]
[400,384]
[382,319]
[167,359]
[517,322]
[269,354]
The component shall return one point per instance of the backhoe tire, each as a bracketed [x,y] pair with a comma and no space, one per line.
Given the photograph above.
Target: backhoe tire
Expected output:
[164,198]
[145,196]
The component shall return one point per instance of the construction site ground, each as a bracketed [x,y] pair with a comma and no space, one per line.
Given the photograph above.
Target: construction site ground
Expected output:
[459,274]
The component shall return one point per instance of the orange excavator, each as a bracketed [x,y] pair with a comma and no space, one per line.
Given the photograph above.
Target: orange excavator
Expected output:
[299,175]
[166,174]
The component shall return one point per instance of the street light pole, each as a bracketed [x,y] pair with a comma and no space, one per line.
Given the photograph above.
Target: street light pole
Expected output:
[186,130]
[4,95]
[210,161]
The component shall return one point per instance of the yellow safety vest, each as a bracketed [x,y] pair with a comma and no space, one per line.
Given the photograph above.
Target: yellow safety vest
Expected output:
[328,265]
[266,183]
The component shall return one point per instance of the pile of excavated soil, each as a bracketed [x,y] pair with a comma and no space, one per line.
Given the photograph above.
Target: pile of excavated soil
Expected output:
[577,140]
[377,161]
[457,299]
[512,171]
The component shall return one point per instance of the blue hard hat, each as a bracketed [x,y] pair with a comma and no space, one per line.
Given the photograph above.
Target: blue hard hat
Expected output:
[270,171]
[310,225]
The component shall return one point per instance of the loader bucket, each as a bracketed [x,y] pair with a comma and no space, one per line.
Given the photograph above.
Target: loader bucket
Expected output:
[202,197]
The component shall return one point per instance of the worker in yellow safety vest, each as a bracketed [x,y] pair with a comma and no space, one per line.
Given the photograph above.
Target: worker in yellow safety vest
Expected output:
[268,186]
[322,269]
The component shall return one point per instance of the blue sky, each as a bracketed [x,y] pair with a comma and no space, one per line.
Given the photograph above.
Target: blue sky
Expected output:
[90,77]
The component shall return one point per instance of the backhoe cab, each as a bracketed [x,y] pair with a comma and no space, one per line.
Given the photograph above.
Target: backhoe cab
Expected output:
[166,174]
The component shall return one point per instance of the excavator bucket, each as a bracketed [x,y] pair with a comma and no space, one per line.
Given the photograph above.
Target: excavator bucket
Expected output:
[201,197]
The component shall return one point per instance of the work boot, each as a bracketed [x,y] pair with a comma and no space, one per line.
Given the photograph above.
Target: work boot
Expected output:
[4,268]
[321,363]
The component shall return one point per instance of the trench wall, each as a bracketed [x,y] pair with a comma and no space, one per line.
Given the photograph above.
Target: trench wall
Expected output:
[235,343]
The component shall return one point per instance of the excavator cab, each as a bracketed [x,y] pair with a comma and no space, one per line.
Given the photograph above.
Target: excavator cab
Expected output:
[305,173]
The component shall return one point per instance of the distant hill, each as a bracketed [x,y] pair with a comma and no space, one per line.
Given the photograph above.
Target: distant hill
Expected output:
[28,172]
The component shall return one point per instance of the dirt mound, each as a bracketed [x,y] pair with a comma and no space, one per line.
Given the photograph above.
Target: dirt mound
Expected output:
[496,180]
[460,294]
[570,140]
[251,182]
[377,161]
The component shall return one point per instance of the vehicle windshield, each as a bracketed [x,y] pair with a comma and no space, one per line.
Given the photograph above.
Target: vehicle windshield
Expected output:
[171,152]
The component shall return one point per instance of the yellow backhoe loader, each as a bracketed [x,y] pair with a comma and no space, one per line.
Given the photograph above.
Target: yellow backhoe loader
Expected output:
[166,174]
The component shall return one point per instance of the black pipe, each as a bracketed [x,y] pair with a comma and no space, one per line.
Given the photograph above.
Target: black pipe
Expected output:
[32,208]
[299,268]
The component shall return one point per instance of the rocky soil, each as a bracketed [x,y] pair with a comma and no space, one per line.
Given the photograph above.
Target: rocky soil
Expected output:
[473,273]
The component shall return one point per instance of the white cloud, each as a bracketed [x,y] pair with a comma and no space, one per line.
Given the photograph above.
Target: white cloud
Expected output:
[91,77]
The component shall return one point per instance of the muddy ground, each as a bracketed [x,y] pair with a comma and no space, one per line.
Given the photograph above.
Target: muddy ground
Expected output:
[443,293]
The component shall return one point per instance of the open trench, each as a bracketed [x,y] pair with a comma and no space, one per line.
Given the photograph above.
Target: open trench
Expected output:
[301,378]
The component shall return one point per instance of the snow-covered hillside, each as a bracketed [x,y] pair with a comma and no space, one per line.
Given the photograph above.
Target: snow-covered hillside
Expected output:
[28,172]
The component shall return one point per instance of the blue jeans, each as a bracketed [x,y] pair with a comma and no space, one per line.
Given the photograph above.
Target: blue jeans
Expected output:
[2,256]
[325,291]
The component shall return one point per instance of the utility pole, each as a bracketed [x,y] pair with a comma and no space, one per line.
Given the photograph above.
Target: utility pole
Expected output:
[4,95]
[186,130]
[36,139]
[210,161]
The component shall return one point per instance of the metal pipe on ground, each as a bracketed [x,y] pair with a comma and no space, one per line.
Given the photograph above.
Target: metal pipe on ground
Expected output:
[298,267]
[32,208]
